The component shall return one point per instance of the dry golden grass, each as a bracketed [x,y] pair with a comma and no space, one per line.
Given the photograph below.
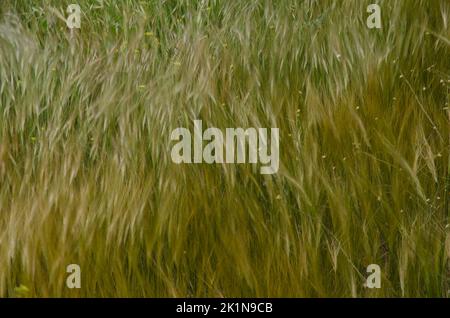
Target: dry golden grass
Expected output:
[85,168]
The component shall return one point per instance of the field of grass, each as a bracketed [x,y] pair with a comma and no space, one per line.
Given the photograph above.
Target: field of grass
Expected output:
[86,175]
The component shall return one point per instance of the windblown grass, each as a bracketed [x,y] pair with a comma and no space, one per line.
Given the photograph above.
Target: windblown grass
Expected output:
[85,168]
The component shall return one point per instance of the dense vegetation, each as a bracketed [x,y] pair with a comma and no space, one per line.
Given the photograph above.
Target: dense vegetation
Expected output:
[87,178]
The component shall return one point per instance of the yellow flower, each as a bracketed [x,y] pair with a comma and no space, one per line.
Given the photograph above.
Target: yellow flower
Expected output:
[21,291]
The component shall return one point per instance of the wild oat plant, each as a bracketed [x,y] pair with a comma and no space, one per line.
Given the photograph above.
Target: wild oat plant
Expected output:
[87,177]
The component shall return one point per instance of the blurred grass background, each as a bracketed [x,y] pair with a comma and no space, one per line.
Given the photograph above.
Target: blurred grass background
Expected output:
[85,168]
